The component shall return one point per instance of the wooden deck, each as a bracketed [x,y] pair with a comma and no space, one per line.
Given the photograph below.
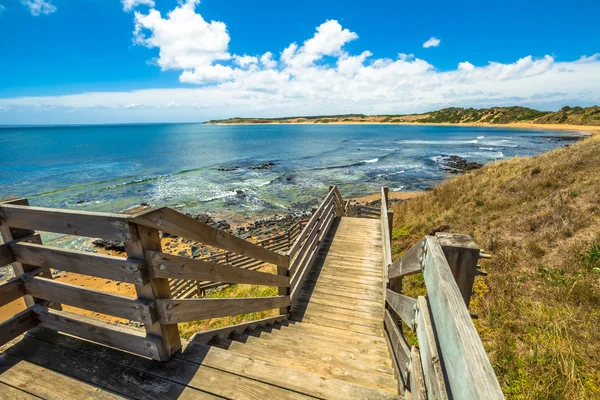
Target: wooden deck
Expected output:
[332,346]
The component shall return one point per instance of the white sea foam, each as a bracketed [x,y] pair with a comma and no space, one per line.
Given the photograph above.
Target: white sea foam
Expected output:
[373,160]
[486,148]
[482,154]
[437,141]
[480,137]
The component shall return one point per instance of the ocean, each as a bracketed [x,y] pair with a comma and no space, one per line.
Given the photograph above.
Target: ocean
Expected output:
[239,171]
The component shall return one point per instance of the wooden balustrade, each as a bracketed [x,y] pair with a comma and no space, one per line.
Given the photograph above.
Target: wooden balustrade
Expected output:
[450,361]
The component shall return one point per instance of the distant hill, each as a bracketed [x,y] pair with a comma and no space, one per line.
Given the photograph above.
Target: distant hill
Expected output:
[452,115]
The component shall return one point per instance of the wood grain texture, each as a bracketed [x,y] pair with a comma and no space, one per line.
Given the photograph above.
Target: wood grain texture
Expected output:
[88,299]
[467,365]
[417,381]
[86,263]
[170,266]
[80,223]
[11,290]
[118,336]
[308,227]
[179,224]
[398,343]
[206,336]
[6,255]
[15,326]
[408,264]
[172,311]
[402,305]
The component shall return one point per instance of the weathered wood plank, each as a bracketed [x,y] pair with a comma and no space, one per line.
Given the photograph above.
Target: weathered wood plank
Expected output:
[6,255]
[470,374]
[430,355]
[206,336]
[408,264]
[103,266]
[15,326]
[170,266]
[309,225]
[172,311]
[417,381]
[88,299]
[402,305]
[178,224]
[80,223]
[12,393]
[398,343]
[118,336]
[11,290]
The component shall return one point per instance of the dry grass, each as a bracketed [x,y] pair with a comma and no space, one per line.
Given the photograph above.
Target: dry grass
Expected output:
[539,308]
[187,329]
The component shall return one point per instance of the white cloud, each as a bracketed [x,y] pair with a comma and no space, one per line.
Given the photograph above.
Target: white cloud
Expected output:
[586,59]
[129,5]
[320,76]
[37,7]
[432,42]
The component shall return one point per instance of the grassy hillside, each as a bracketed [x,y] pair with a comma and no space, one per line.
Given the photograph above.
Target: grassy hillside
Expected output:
[539,307]
[453,115]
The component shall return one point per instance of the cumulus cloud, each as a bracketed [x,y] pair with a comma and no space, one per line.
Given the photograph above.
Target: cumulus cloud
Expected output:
[38,7]
[586,59]
[318,76]
[432,42]
[129,5]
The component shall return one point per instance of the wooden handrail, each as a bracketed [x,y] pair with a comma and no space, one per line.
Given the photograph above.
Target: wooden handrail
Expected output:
[306,230]
[178,224]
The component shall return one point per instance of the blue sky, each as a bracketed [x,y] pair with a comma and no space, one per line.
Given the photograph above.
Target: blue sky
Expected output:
[67,61]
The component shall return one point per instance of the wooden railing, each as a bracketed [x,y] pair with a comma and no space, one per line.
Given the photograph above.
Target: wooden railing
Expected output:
[146,266]
[450,361]
[149,269]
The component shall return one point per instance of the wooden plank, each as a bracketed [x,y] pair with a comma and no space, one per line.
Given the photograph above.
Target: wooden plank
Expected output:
[88,299]
[43,383]
[118,336]
[170,266]
[430,355]
[175,223]
[6,255]
[348,325]
[149,240]
[402,305]
[468,368]
[308,227]
[79,223]
[206,336]
[300,381]
[12,393]
[417,381]
[172,311]
[86,263]
[177,372]
[11,290]
[15,326]
[398,343]
[99,375]
[408,264]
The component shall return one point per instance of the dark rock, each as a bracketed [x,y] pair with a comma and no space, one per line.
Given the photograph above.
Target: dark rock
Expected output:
[182,253]
[109,244]
[441,228]
[228,169]
[80,202]
[205,218]
[456,164]
[263,166]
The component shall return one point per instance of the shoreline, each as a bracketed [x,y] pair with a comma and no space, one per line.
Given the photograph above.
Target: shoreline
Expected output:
[586,129]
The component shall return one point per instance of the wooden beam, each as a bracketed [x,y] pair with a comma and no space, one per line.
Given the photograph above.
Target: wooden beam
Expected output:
[15,326]
[408,264]
[398,343]
[311,222]
[103,266]
[170,266]
[206,336]
[118,336]
[431,361]
[417,380]
[88,299]
[178,224]
[11,290]
[402,305]
[80,223]
[462,255]
[173,311]
[6,255]
[468,367]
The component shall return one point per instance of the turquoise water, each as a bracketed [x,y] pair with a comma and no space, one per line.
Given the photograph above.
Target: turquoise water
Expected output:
[207,168]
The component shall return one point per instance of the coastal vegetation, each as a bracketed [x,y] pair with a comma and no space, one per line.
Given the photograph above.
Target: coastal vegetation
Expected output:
[538,309]
[452,115]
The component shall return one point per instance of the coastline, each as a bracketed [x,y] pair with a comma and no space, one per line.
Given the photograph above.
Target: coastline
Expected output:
[588,129]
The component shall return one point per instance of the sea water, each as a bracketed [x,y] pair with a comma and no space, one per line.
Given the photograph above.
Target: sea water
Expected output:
[220,169]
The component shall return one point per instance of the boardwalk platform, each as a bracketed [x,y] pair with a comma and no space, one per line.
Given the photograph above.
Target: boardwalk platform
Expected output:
[332,346]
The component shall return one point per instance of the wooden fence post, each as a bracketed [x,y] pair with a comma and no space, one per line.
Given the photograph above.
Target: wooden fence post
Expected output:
[9,234]
[462,254]
[148,239]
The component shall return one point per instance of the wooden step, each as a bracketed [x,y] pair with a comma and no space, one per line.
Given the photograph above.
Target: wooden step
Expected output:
[305,360]
[362,317]
[342,302]
[350,326]
[336,290]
